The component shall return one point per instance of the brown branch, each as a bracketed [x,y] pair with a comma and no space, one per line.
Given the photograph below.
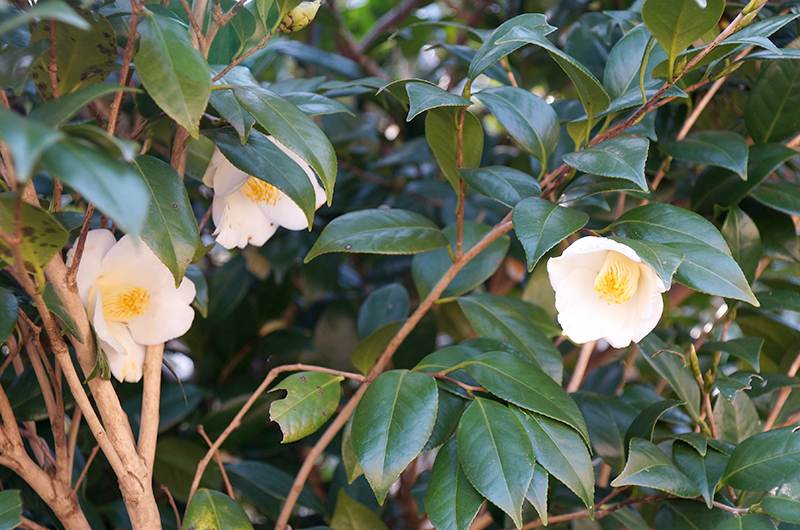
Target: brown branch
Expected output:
[79,245]
[52,65]
[125,74]
[197,32]
[31,525]
[85,469]
[151,399]
[218,459]
[599,514]
[173,505]
[580,367]
[263,42]
[783,395]
[469,388]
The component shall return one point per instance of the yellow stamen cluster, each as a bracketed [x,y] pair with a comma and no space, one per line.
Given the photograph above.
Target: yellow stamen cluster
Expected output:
[618,278]
[259,191]
[125,303]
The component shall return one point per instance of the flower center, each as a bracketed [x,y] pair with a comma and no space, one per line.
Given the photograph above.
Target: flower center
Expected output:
[125,303]
[617,279]
[259,191]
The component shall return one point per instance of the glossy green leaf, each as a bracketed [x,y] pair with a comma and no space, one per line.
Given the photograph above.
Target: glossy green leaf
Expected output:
[349,459]
[744,240]
[83,56]
[664,260]
[451,407]
[748,522]
[8,313]
[528,119]
[170,229]
[561,451]
[449,357]
[311,399]
[259,481]
[676,24]
[56,306]
[503,184]
[54,9]
[706,471]
[514,379]
[114,146]
[27,140]
[42,236]
[607,419]
[291,127]
[451,502]
[391,425]
[589,185]
[59,111]
[388,304]
[175,75]
[261,158]
[381,231]
[777,231]
[429,267]
[441,131]
[316,104]
[212,510]
[645,423]
[625,61]
[765,461]
[10,509]
[492,51]
[773,106]
[537,491]
[512,321]
[424,96]
[747,349]
[689,515]
[540,225]
[116,189]
[230,40]
[352,515]
[784,504]
[16,64]
[648,466]
[368,350]
[226,103]
[717,148]
[709,270]
[664,223]
[781,196]
[496,455]
[621,157]
[672,368]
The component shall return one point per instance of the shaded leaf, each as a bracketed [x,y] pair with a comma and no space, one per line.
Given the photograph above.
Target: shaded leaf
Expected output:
[311,399]
[648,466]
[540,225]
[441,131]
[622,157]
[717,148]
[503,184]
[451,502]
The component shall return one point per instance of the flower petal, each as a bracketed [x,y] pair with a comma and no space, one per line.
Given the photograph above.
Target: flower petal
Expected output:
[125,356]
[638,326]
[168,316]
[131,262]
[240,221]
[583,315]
[225,178]
[558,269]
[98,243]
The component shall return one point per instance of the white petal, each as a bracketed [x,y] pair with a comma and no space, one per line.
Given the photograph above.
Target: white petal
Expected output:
[168,316]
[213,164]
[227,177]
[285,213]
[637,326]
[583,315]
[650,287]
[98,243]
[558,269]
[241,221]
[131,262]
[125,356]
[593,244]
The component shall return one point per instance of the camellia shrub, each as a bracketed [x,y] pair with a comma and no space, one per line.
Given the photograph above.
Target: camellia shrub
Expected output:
[363,265]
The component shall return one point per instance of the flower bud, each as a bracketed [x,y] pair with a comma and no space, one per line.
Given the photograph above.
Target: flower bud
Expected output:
[694,365]
[299,17]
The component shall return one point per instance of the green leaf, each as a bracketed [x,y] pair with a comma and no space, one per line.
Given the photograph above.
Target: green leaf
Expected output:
[176,463]
[773,106]
[503,184]
[607,419]
[645,423]
[514,379]
[562,452]
[784,505]
[10,509]
[212,510]
[175,75]
[311,399]
[451,502]
[27,140]
[226,103]
[316,104]
[83,56]
[648,466]
[527,118]
[706,471]
[54,9]
[291,127]
[689,515]
[492,51]
[16,64]
[42,236]
[170,229]
[388,304]
[57,306]
[261,158]
[781,196]
[621,157]
[441,131]
[676,24]
[59,111]
[664,260]
[496,455]
[429,267]
[8,313]
[368,350]
[114,146]
[777,231]
[513,321]
[625,61]
[672,368]
[747,349]
[424,96]
[712,271]
[765,461]
[537,491]
[259,481]
[540,225]
[116,189]
[381,231]
[748,522]
[717,148]
[589,185]
[352,515]
[664,223]
[451,407]
[391,425]
[744,240]
[349,459]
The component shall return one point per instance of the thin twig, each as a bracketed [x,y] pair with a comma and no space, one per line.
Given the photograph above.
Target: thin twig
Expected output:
[263,42]
[580,367]
[783,395]
[197,32]
[31,525]
[85,469]
[125,74]
[218,459]
[173,505]
[470,388]
[80,244]
[52,66]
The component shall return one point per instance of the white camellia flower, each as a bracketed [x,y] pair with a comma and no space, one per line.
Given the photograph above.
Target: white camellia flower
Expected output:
[605,291]
[248,210]
[131,300]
